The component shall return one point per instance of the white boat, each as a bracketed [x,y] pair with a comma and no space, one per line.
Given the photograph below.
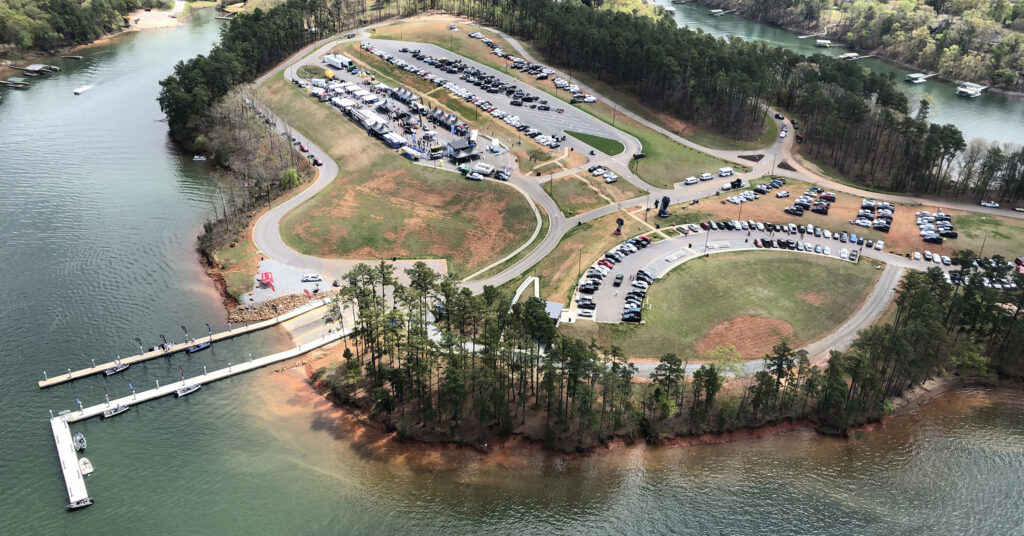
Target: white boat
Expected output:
[116,368]
[116,410]
[85,466]
[916,78]
[717,12]
[199,158]
[823,43]
[79,441]
[187,390]
[81,89]
[970,90]
[849,56]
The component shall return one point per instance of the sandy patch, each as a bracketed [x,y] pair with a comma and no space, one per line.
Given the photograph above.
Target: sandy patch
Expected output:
[816,299]
[753,336]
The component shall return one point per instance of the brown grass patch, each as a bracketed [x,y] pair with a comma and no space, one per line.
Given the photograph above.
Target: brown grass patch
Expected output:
[753,336]
[816,299]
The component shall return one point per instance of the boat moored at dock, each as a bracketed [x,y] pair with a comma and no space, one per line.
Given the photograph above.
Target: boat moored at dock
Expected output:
[187,390]
[970,90]
[79,441]
[116,410]
[823,43]
[85,466]
[197,347]
[916,78]
[80,503]
[119,367]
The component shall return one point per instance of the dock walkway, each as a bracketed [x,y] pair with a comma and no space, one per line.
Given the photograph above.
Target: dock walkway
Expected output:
[73,479]
[223,335]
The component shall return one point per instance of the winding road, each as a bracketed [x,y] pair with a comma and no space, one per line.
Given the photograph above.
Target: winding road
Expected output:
[267,237]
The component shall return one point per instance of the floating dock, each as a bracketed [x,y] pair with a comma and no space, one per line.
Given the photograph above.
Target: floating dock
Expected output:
[73,478]
[234,332]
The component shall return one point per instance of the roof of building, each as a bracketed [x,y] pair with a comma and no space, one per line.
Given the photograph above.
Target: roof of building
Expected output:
[553,309]
[460,144]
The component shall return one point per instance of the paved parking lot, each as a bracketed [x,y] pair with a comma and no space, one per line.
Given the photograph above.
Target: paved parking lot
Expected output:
[549,122]
[660,257]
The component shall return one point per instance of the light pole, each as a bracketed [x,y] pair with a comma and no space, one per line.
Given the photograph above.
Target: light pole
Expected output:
[615,108]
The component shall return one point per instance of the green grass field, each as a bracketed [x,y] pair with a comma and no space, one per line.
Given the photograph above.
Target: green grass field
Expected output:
[383,206]
[605,145]
[769,290]
[1002,236]
[668,162]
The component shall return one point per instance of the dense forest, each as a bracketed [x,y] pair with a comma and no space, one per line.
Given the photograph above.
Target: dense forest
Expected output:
[435,362]
[977,40]
[47,25]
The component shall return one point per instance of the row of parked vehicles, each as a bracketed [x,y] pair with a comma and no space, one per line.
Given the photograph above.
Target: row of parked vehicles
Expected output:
[875,215]
[814,199]
[632,307]
[490,84]
[792,229]
[602,268]
[608,176]
[800,245]
[935,227]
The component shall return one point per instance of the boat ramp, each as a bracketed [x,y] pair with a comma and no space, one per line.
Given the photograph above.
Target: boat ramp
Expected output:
[48,381]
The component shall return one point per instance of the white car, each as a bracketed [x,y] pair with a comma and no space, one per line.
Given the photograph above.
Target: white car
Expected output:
[827,234]
[781,194]
[989,204]
[782,134]
[879,245]
[598,172]
[828,250]
[311,278]
[917,255]
[760,226]
[937,259]
[947,261]
[640,284]
[844,254]
[610,178]
[690,181]
[706,176]
[927,255]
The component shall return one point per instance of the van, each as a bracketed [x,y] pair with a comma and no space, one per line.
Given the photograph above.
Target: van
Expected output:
[484,169]
[706,176]
[725,172]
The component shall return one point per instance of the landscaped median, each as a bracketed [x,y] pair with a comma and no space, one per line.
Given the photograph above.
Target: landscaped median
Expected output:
[751,299]
[607,146]
[382,206]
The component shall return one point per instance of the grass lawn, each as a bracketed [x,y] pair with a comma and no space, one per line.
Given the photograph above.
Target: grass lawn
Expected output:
[238,265]
[581,192]
[607,146]
[668,162]
[384,206]
[749,299]
[577,249]
[1002,236]
[311,71]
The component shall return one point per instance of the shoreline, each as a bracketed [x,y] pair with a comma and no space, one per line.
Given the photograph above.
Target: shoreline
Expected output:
[354,415]
[36,56]
[838,40]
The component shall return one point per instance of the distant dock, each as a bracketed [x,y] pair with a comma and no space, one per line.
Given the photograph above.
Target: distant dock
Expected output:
[78,496]
[232,332]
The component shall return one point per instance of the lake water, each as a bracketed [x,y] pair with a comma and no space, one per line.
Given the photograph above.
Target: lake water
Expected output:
[991,116]
[100,216]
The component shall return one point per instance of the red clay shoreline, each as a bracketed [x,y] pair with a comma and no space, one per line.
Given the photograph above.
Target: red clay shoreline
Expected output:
[375,429]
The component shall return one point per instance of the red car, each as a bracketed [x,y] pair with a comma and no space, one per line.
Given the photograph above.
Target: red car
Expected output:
[303,148]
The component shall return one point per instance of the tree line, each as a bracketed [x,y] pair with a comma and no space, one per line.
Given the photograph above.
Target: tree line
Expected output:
[435,362]
[977,40]
[47,25]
